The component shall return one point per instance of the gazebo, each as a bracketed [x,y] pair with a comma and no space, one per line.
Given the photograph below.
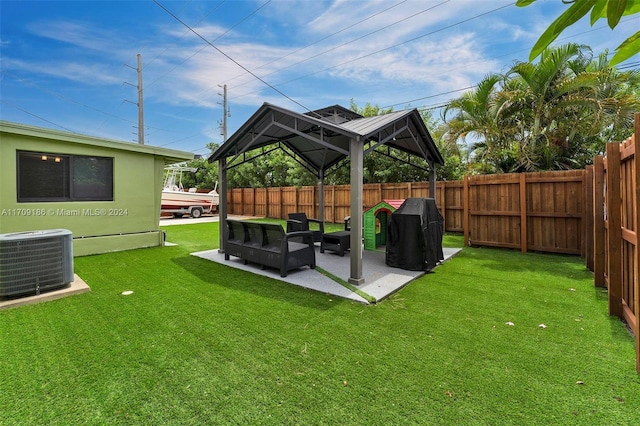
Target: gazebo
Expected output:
[320,141]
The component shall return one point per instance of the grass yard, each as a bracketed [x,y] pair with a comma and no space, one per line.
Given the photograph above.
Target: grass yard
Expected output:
[200,343]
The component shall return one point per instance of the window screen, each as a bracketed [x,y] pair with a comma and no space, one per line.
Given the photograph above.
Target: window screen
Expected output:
[58,177]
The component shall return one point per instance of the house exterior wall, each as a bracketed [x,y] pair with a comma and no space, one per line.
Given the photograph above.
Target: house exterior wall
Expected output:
[130,221]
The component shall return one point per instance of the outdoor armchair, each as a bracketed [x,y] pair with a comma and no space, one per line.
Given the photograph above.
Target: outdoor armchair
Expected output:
[300,222]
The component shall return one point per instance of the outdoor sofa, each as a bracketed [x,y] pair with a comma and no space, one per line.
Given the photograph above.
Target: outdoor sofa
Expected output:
[267,245]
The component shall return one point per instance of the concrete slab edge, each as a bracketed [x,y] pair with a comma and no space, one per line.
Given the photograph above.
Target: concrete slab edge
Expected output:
[78,286]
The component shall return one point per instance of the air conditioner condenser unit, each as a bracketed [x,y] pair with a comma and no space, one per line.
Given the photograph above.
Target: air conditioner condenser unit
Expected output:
[34,262]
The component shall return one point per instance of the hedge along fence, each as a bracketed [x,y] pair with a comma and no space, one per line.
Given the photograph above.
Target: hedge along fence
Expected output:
[616,256]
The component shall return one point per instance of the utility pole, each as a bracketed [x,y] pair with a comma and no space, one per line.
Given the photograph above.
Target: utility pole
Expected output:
[140,100]
[140,103]
[225,114]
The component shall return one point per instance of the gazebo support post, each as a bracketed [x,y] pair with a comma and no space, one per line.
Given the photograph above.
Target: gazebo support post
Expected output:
[222,204]
[321,195]
[432,179]
[357,165]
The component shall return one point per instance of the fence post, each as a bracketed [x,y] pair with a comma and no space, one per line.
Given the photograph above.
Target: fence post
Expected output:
[587,218]
[614,211]
[315,207]
[443,201]
[599,243]
[523,213]
[266,202]
[636,278]
[333,203]
[253,207]
[465,210]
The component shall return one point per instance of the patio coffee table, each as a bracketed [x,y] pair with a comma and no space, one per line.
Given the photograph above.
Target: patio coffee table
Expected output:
[336,241]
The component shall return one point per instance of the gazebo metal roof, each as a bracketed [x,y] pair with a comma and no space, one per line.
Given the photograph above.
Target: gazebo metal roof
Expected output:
[321,139]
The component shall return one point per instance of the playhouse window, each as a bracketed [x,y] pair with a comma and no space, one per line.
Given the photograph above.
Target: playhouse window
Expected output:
[58,177]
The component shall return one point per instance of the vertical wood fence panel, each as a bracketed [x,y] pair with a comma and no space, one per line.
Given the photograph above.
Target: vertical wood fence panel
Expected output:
[617,177]
[556,217]
[628,229]
[614,228]
[248,202]
[589,217]
[289,202]
[636,257]
[453,201]
[307,201]
[599,226]
[494,210]
[261,202]
[274,205]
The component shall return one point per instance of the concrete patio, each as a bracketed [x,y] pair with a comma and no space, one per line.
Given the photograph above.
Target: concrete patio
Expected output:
[380,280]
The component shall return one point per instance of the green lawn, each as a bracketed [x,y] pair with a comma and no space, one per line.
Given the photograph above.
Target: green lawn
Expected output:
[200,343]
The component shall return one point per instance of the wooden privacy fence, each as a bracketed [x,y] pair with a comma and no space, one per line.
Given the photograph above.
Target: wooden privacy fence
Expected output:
[529,211]
[616,257]
[279,202]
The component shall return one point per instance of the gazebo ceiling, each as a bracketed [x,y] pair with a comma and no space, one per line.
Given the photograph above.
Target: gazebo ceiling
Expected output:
[321,138]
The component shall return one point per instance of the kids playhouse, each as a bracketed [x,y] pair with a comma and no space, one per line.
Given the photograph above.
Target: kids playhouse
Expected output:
[375,223]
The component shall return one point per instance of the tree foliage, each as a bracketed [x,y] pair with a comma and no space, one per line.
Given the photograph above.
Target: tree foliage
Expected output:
[555,114]
[611,10]
[379,167]
[206,175]
[269,168]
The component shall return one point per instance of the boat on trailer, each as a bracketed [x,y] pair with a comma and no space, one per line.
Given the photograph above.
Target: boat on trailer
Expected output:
[178,201]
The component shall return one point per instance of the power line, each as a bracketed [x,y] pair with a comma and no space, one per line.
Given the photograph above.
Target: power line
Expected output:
[230,58]
[431,96]
[306,46]
[73,101]
[625,66]
[386,48]
[353,40]
[62,97]
[321,39]
[218,6]
[35,115]
[215,39]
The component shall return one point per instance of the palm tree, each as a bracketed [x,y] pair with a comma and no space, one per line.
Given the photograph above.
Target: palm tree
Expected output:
[565,101]
[475,117]
[555,114]
[549,101]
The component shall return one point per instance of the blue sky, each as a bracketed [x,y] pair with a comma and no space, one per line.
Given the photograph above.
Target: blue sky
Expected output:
[63,62]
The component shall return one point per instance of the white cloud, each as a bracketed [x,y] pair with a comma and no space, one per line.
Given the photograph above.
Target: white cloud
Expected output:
[85,73]
[84,35]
